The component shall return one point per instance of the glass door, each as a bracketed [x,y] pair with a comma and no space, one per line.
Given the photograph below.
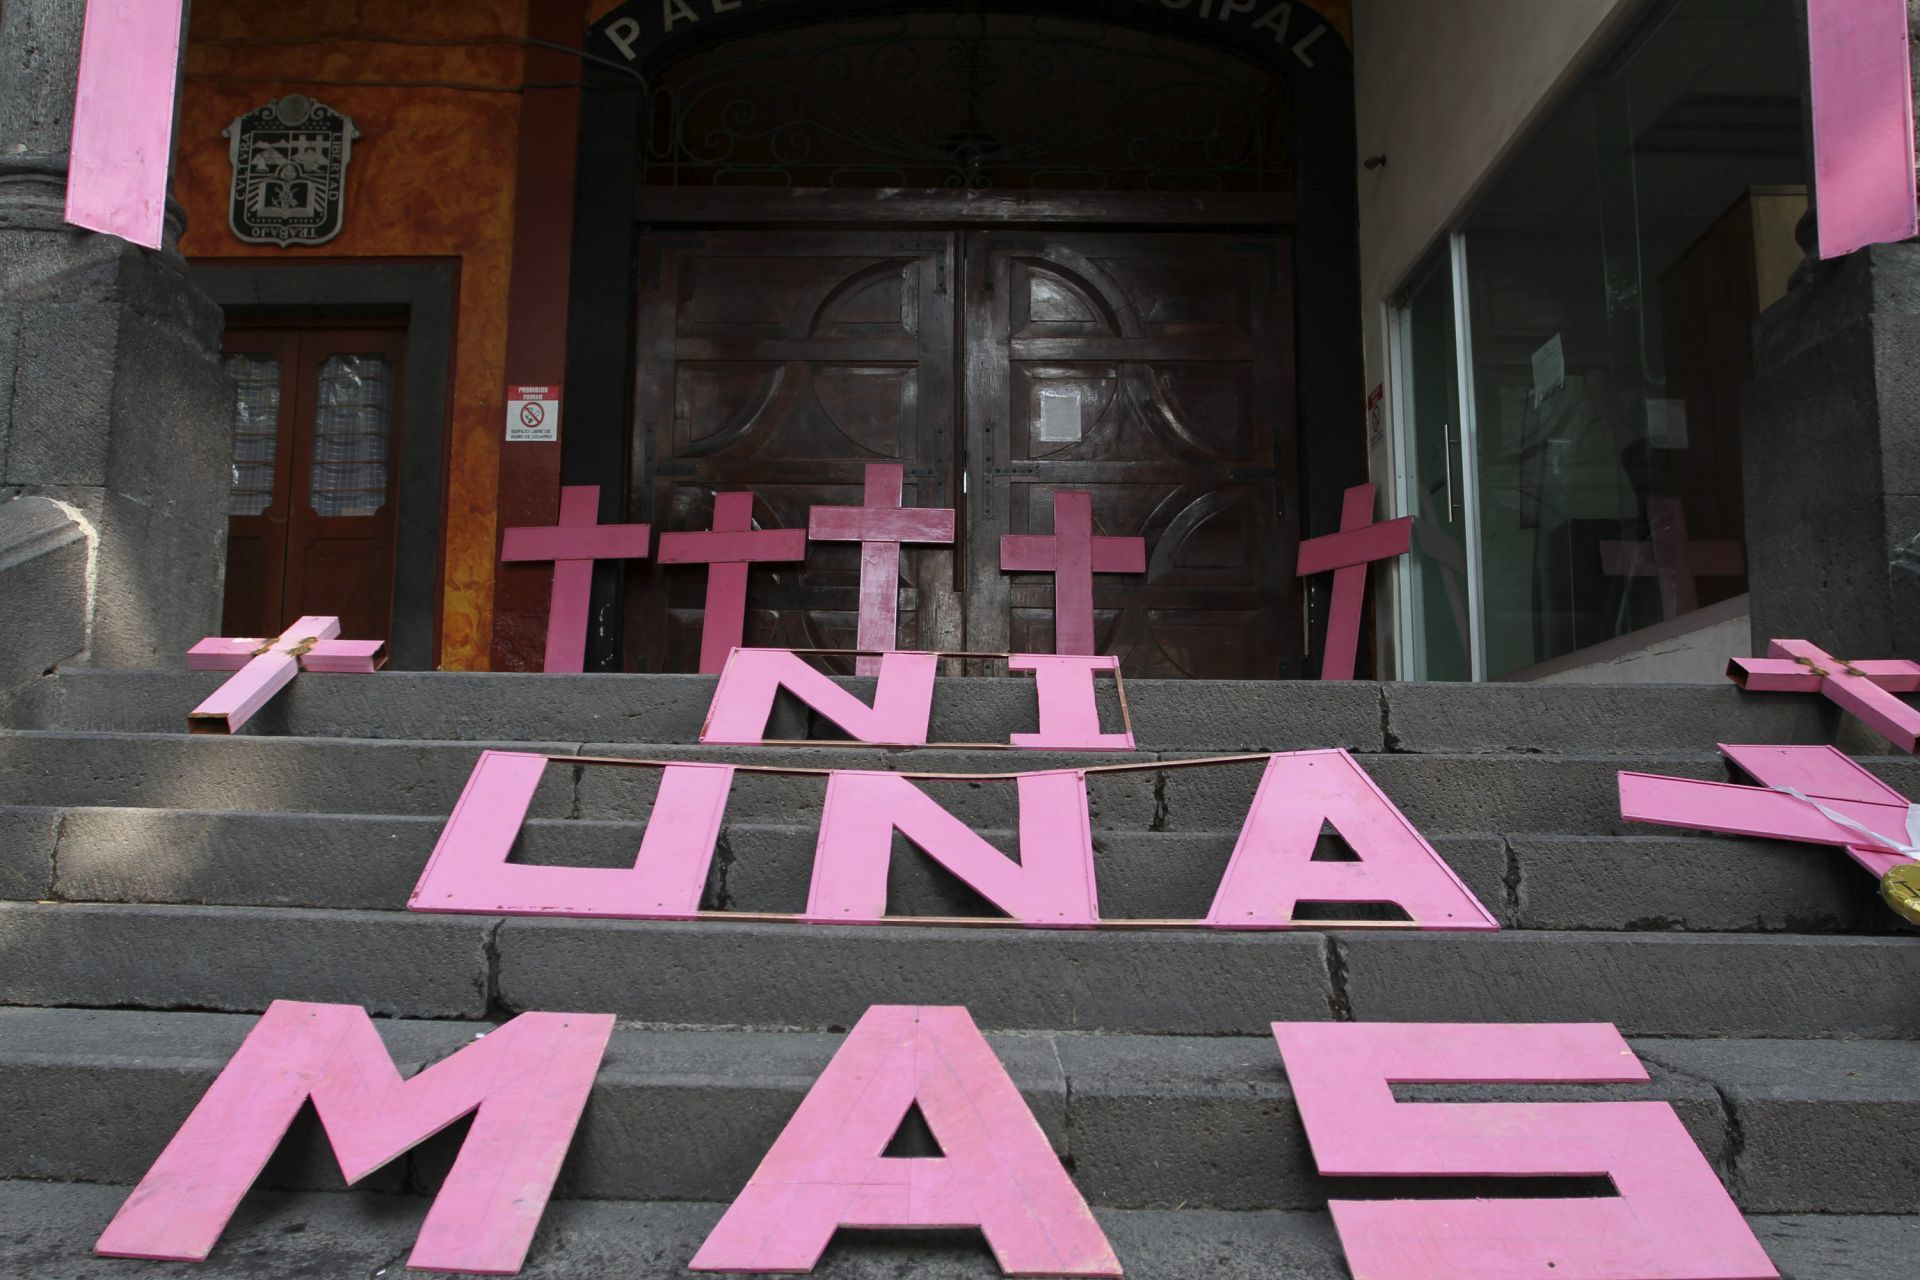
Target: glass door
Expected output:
[1437,633]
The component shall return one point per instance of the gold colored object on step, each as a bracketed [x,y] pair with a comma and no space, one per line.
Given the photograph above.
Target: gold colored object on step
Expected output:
[1901,888]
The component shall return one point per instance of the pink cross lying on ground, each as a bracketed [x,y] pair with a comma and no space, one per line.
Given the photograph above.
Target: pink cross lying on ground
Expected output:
[727,551]
[1865,689]
[1348,553]
[267,666]
[573,545]
[880,525]
[1072,555]
[1812,795]
[1678,561]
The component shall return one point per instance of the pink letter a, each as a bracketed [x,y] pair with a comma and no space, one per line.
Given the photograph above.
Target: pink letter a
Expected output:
[826,1169]
[1272,871]
[525,1085]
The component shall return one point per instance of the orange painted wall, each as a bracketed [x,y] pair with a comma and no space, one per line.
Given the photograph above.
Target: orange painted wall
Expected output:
[432,176]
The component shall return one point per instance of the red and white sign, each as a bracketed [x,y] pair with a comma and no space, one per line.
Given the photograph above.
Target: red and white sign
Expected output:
[533,414]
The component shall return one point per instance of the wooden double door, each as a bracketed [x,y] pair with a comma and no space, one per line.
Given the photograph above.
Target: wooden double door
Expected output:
[1152,370]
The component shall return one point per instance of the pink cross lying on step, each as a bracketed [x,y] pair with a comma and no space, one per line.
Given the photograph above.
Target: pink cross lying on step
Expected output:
[266,667]
[573,545]
[880,525]
[1348,553]
[727,551]
[1865,689]
[1072,555]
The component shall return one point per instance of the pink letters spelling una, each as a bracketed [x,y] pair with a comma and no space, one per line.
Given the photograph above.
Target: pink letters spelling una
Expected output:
[1671,1221]
[525,1086]
[827,1169]
[1271,873]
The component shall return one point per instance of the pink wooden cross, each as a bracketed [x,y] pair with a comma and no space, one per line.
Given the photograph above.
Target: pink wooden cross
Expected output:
[573,545]
[880,525]
[727,551]
[123,109]
[1678,561]
[1072,555]
[1348,553]
[1810,795]
[1862,107]
[267,666]
[1864,688]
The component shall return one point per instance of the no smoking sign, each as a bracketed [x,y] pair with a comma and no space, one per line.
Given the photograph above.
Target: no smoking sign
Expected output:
[533,414]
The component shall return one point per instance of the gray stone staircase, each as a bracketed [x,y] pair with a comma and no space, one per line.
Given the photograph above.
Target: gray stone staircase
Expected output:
[160,890]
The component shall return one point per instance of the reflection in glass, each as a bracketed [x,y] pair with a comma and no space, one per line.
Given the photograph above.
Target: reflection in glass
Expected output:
[350,426]
[256,430]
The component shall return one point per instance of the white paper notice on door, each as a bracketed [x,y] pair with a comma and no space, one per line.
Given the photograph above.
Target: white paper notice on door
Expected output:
[1059,420]
[1549,369]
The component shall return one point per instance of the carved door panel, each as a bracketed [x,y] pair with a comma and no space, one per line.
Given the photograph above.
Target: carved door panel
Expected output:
[785,362]
[1156,372]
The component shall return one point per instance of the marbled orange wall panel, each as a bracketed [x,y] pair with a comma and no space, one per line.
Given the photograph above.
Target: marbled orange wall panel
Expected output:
[432,176]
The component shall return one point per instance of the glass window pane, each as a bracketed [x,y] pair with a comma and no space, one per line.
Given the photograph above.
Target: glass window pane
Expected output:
[1431,399]
[256,430]
[1614,276]
[353,407]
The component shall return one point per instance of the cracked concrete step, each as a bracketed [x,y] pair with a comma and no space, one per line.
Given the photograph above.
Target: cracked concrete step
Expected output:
[238,959]
[1142,1122]
[1167,715]
[354,1235]
[1443,794]
[345,861]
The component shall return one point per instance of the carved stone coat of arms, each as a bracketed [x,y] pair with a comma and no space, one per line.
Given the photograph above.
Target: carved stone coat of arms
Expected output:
[289,172]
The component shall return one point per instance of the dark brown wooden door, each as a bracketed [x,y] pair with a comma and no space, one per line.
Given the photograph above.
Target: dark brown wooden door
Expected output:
[1154,371]
[784,363]
[312,510]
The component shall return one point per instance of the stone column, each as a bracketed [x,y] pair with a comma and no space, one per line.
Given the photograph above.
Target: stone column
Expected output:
[112,400]
[1830,432]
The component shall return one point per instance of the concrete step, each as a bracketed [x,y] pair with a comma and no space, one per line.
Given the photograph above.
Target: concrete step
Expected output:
[1443,794]
[238,959]
[355,1235]
[1167,714]
[1142,1122]
[348,861]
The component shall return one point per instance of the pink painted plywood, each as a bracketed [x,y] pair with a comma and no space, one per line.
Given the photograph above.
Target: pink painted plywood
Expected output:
[1072,555]
[880,525]
[827,1169]
[727,550]
[122,142]
[265,667]
[1864,690]
[1348,553]
[1051,886]
[1272,871]
[900,715]
[525,1085]
[1860,77]
[1069,708]
[1672,1219]
[573,544]
[469,872]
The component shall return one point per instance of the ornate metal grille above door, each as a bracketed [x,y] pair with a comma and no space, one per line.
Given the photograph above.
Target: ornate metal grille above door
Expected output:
[969,100]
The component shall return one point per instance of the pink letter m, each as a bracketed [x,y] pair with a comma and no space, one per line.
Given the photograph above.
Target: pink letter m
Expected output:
[525,1085]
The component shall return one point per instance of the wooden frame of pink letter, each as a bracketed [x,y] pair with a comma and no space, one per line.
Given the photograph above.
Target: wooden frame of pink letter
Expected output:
[525,1084]
[828,1169]
[1672,1220]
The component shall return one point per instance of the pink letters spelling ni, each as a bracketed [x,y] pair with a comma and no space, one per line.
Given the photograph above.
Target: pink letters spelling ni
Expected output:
[901,711]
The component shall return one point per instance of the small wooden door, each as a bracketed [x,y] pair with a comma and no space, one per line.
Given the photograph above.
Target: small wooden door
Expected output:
[1155,371]
[311,513]
[783,363]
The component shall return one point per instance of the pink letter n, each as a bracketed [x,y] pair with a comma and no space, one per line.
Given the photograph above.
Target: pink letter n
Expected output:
[525,1085]
[827,1169]
[1672,1220]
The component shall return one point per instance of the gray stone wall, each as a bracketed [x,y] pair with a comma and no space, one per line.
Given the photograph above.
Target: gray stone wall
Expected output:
[111,396]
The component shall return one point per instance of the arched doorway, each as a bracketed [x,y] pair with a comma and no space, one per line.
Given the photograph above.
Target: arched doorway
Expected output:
[1016,252]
